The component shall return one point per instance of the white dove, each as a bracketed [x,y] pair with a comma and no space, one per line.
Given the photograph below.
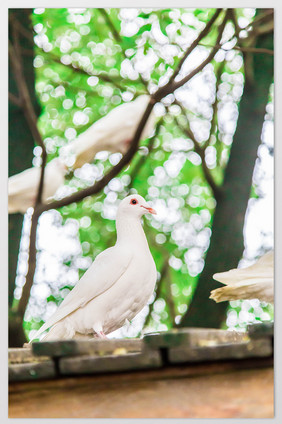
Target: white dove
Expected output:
[253,282]
[112,133]
[115,287]
[22,188]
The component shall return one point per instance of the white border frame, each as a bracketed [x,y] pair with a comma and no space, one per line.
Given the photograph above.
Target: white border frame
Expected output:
[4,6]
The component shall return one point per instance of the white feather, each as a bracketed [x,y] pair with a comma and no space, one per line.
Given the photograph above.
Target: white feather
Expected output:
[255,281]
[22,188]
[112,133]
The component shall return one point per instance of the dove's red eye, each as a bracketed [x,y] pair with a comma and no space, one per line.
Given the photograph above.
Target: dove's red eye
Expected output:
[133,202]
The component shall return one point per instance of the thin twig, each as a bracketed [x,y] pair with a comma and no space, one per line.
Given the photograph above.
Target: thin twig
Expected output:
[259,19]
[118,39]
[24,95]
[143,158]
[16,24]
[215,49]
[110,25]
[15,56]
[215,103]
[202,34]
[244,49]
[201,152]
[174,85]
[237,29]
[116,81]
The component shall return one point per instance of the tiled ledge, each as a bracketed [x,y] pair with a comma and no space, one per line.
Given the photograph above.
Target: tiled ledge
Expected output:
[191,345]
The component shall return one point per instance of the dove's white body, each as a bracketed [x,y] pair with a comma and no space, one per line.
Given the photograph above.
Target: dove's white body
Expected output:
[112,133]
[253,282]
[114,289]
[22,188]
[122,301]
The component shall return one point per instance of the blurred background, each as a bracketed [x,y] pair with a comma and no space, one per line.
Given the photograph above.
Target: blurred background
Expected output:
[206,167]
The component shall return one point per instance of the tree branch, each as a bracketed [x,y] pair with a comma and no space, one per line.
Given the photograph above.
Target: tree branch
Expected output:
[201,152]
[215,103]
[171,86]
[215,49]
[159,94]
[15,100]
[244,49]
[101,75]
[143,158]
[16,24]
[118,39]
[110,25]
[31,267]
[99,185]
[15,56]
[259,19]
[195,43]
[29,113]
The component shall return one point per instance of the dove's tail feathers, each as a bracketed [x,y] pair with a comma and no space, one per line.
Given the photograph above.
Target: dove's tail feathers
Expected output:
[262,290]
[56,329]
[60,331]
[40,331]
[57,332]
[226,293]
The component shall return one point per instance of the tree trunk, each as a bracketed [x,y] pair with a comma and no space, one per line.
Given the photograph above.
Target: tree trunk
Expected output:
[227,242]
[21,146]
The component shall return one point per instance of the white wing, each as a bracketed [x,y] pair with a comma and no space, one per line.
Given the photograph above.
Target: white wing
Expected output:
[112,132]
[105,271]
[21,183]
[263,268]
[256,288]
[22,188]
[255,281]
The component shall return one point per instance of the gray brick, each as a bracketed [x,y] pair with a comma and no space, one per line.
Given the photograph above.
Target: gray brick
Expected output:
[23,355]
[31,371]
[193,337]
[83,347]
[110,363]
[254,348]
[257,331]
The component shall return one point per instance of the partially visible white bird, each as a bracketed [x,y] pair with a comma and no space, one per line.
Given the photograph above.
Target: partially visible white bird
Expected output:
[253,282]
[116,286]
[22,188]
[114,132]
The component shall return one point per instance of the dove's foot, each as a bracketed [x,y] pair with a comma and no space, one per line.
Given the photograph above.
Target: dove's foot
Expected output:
[101,335]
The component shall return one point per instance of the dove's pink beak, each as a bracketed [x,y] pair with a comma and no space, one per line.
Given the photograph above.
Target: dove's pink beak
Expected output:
[150,210]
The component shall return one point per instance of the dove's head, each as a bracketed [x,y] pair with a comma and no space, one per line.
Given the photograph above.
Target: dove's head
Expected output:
[134,206]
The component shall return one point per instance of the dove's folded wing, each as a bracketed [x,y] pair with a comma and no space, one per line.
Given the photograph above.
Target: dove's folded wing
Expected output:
[263,268]
[256,288]
[105,271]
[23,182]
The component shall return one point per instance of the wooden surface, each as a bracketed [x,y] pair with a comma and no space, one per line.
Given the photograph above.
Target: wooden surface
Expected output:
[217,390]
